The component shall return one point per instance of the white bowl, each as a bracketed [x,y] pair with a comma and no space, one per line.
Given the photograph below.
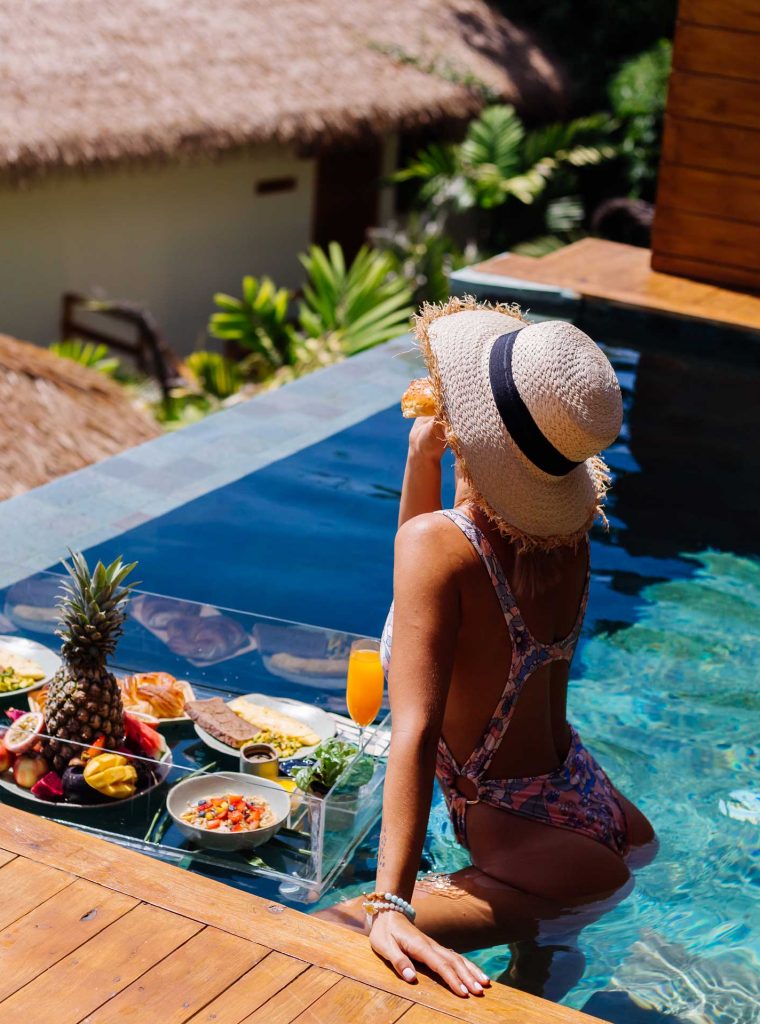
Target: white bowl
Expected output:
[200,787]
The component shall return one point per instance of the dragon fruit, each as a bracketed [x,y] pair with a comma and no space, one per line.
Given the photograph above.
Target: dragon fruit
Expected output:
[49,787]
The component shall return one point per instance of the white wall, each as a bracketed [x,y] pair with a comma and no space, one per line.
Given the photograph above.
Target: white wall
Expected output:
[165,237]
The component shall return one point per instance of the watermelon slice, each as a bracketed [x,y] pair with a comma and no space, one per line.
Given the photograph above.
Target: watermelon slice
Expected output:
[143,738]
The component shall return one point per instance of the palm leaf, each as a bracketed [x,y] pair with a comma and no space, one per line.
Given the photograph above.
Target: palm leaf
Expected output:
[494,138]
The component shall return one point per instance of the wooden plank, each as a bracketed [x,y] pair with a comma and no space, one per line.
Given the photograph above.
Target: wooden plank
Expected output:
[700,270]
[712,98]
[25,885]
[716,51]
[289,931]
[6,857]
[725,243]
[712,146]
[266,979]
[289,1002]
[740,14]
[186,981]
[105,965]
[618,273]
[728,196]
[352,1001]
[422,1015]
[49,932]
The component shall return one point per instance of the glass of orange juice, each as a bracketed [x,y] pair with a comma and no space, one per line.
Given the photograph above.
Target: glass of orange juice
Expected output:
[365,682]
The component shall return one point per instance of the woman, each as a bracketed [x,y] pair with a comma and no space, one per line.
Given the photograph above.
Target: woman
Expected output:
[480,659]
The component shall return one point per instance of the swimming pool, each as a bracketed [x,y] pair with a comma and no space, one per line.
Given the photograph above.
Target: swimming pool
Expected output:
[664,684]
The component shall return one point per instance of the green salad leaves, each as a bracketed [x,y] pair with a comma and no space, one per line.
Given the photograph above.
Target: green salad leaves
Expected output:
[331,759]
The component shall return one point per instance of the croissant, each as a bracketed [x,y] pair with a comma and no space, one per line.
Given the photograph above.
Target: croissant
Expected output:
[419,399]
[153,693]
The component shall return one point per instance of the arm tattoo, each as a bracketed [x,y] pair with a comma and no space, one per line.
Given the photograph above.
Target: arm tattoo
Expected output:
[381,849]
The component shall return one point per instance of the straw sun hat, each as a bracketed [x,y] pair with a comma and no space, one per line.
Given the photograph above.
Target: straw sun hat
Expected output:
[526,408]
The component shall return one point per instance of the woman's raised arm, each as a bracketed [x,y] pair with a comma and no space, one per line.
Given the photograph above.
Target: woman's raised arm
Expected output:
[421,490]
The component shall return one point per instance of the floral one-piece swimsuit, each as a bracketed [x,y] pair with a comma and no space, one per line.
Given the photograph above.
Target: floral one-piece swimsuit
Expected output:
[578,794]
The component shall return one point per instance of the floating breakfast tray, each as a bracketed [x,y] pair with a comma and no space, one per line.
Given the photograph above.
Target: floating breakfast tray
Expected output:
[319,837]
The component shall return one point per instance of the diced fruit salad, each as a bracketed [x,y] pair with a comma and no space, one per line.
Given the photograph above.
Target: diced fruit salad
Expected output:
[229,813]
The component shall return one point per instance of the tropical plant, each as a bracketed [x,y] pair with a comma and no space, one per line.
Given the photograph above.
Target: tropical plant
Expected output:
[499,160]
[257,322]
[500,166]
[87,353]
[214,373]
[637,93]
[424,254]
[360,305]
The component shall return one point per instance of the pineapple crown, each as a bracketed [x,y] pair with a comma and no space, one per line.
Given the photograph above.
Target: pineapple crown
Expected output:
[91,609]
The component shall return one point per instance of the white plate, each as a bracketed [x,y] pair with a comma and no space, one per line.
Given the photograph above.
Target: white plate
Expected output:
[48,660]
[162,771]
[316,719]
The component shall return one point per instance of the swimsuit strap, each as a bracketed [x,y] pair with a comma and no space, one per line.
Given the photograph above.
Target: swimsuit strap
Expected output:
[476,537]
[528,654]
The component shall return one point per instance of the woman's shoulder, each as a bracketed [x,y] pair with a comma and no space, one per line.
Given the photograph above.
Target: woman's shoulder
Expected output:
[431,541]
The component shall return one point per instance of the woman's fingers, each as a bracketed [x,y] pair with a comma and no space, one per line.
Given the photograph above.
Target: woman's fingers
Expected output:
[458,973]
[467,974]
[480,975]
[399,944]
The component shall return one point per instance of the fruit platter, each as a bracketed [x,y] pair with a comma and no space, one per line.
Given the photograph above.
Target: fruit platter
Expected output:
[97,776]
[109,742]
[83,749]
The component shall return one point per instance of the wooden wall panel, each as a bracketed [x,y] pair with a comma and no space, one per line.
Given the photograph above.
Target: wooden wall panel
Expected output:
[703,191]
[707,221]
[716,51]
[716,147]
[732,243]
[714,98]
[739,14]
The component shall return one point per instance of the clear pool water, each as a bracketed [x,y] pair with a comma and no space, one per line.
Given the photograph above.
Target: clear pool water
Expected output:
[664,685]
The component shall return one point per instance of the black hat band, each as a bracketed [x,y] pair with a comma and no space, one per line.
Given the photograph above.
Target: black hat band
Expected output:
[516,416]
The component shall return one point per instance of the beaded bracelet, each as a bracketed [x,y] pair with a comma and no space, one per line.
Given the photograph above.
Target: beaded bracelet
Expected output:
[376,902]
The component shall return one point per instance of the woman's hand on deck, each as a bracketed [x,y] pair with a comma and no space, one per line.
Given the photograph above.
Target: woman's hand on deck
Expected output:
[397,940]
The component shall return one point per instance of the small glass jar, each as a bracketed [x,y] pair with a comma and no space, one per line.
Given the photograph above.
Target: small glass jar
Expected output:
[259,759]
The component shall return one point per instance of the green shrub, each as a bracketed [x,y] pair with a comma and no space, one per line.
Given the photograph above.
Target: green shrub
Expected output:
[424,254]
[508,176]
[258,322]
[361,305]
[637,93]
[87,353]
[216,375]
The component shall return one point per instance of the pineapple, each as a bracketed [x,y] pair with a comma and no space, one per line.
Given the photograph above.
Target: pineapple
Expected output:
[84,699]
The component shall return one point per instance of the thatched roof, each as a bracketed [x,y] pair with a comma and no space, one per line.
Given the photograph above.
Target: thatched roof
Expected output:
[57,416]
[88,82]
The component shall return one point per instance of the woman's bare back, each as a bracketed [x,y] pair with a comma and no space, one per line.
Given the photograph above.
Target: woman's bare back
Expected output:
[521,852]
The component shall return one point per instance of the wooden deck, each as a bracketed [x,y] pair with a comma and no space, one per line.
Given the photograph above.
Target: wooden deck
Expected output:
[91,932]
[621,274]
